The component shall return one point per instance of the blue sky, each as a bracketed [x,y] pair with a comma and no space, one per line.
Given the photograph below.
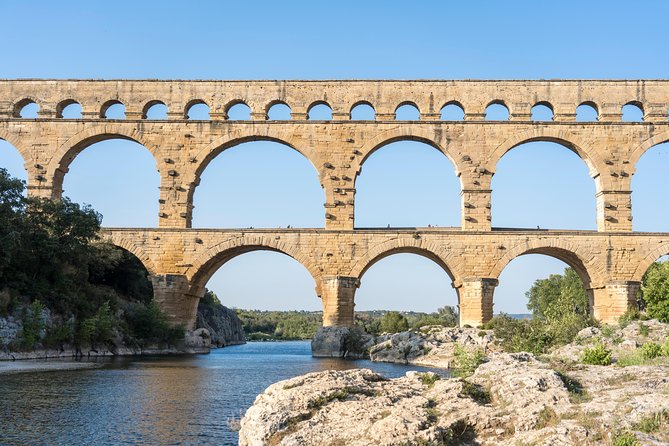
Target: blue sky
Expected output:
[403,184]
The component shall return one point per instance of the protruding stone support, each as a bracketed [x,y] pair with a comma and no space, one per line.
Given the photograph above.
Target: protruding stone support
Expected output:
[338,294]
[615,299]
[614,210]
[475,209]
[172,294]
[475,300]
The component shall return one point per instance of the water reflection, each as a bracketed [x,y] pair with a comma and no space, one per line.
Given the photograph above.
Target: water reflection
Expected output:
[161,400]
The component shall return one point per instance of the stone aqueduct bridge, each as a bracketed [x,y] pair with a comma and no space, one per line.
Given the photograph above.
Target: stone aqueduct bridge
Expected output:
[611,260]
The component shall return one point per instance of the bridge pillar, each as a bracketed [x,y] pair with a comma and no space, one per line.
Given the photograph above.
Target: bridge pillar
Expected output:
[475,300]
[338,294]
[172,294]
[614,210]
[475,209]
[615,299]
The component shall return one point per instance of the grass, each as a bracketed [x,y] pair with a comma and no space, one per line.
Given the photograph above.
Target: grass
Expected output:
[597,355]
[657,422]
[546,417]
[466,362]
[577,394]
[429,378]
[476,392]
[624,438]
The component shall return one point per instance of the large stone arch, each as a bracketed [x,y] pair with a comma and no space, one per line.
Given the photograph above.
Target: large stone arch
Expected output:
[647,261]
[646,145]
[410,245]
[28,161]
[207,263]
[129,245]
[68,151]
[405,133]
[577,258]
[548,134]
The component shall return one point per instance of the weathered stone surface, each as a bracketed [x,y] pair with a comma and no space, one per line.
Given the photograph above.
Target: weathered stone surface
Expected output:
[181,260]
[529,404]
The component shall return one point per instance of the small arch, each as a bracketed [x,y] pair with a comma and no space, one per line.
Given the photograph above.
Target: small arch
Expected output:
[587,112]
[155,110]
[26,109]
[497,111]
[68,109]
[113,109]
[452,111]
[542,112]
[319,111]
[363,111]
[632,112]
[278,111]
[197,110]
[657,254]
[238,111]
[124,240]
[407,111]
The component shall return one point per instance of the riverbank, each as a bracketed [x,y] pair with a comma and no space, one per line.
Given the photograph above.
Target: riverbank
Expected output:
[559,398]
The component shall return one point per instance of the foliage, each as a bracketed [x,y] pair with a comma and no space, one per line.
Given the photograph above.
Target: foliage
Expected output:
[476,392]
[597,355]
[428,378]
[658,421]
[651,350]
[393,322]
[445,316]
[624,438]
[466,361]
[283,325]
[51,259]
[558,297]
[520,335]
[655,291]
[632,314]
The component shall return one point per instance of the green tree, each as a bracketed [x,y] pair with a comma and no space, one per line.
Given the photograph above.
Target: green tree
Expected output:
[558,296]
[393,322]
[655,291]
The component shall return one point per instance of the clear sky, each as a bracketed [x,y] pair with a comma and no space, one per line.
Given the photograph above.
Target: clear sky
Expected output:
[405,183]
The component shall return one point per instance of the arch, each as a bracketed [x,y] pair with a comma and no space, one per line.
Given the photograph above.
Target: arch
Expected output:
[632,112]
[452,111]
[647,261]
[119,239]
[648,215]
[19,105]
[410,245]
[646,145]
[548,134]
[13,162]
[271,133]
[194,112]
[363,107]
[207,263]
[556,248]
[25,153]
[278,111]
[109,104]
[401,134]
[497,110]
[241,107]
[321,110]
[150,105]
[63,105]
[407,111]
[58,166]
[587,108]
[543,112]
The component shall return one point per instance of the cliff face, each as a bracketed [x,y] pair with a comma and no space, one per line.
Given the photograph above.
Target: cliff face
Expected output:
[222,323]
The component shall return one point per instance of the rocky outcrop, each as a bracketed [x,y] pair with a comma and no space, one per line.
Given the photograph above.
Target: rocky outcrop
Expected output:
[511,399]
[222,323]
[341,342]
[430,345]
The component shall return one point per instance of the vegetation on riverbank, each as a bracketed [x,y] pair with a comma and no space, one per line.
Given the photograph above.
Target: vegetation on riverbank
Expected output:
[61,285]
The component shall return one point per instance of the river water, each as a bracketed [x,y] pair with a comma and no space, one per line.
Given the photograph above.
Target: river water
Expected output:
[152,400]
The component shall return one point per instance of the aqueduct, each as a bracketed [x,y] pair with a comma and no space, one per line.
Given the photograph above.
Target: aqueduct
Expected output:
[180,260]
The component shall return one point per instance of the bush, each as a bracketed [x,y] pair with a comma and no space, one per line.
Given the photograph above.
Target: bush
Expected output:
[624,439]
[597,355]
[651,350]
[393,322]
[655,289]
[520,335]
[32,323]
[147,324]
[466,361]
[99,328]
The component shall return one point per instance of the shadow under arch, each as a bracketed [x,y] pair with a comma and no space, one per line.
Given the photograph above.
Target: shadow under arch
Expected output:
[127,243]
[592,160]
[68,151]
[215,257]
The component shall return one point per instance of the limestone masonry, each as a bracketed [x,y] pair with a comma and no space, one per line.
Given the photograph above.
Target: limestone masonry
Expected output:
[611,260]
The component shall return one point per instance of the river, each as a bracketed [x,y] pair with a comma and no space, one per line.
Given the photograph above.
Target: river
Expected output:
[152,400]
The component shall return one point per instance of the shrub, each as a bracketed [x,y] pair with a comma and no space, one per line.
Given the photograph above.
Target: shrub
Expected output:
[429,378]
[466,362]
[32,323]
[665,348]
[597,355]
[630,315]
[651,350]
[393,322]
[148,324]
[624,438]
[100,327]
